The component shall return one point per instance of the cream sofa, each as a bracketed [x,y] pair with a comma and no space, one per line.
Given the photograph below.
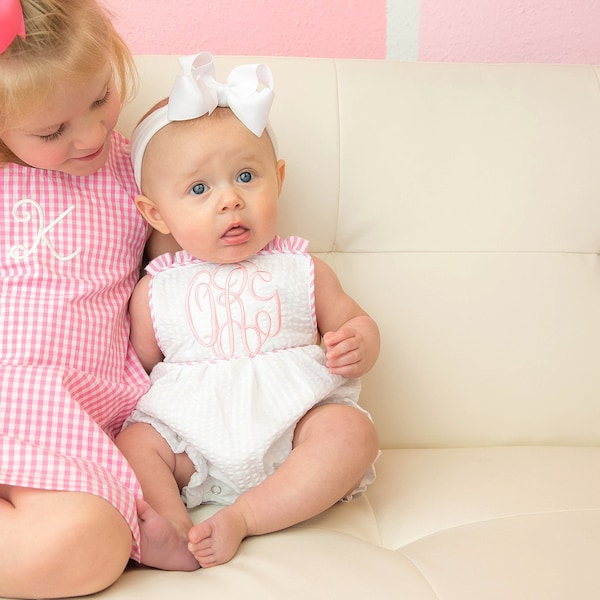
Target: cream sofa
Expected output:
[460,204]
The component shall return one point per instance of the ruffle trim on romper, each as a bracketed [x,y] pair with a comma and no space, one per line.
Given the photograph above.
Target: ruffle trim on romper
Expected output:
[292,245]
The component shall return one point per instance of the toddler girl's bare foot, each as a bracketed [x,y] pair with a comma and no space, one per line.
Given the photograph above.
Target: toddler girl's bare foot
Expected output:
[217,539]
[162,546]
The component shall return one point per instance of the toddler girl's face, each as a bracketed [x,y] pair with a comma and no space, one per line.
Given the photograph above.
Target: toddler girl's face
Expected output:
[72,131]
[214,186]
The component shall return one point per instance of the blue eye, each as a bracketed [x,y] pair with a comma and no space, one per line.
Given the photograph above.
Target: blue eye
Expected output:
[198,189]
[245,177]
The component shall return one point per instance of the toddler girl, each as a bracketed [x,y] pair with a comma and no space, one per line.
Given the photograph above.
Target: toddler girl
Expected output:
[70,253]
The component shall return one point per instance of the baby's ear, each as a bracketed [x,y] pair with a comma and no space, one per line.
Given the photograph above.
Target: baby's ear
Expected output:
[149,211]
[280,173]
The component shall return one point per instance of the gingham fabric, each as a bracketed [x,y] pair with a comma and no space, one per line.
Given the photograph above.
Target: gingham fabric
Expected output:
[70,250]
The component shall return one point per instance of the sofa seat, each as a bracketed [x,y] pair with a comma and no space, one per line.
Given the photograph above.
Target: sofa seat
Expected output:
[490,523]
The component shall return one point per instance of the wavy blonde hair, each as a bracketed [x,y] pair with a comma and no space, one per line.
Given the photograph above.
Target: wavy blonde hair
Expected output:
[68,40]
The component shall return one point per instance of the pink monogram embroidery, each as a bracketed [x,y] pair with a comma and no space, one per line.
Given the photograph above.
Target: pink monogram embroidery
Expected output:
[219,306]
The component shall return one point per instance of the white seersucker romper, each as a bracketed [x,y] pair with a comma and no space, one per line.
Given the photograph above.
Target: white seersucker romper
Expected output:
[242,364]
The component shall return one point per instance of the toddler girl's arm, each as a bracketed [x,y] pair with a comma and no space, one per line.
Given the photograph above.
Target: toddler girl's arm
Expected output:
[160,243]
[142,331]
[350,335]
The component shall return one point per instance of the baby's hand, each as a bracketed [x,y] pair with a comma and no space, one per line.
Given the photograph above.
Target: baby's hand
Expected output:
[345,352]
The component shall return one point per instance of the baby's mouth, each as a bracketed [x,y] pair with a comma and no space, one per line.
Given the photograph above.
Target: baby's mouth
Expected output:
[236,234]
[235,231]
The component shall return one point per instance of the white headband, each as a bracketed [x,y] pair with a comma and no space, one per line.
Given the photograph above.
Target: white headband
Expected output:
[248,92]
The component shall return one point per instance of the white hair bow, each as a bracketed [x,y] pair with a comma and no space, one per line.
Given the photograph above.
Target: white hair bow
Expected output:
[248,92]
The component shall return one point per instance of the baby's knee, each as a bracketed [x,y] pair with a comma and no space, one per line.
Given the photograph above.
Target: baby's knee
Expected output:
[357,429]
[351,426]
[367,427]
[362,430]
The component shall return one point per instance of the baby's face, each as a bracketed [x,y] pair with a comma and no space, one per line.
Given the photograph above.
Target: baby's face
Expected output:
[214,186]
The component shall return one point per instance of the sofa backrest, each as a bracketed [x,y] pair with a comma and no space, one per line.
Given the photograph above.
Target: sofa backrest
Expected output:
[460,204]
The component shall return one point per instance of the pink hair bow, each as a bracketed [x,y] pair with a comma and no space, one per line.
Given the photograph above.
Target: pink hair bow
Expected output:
[11,23]
[248,92]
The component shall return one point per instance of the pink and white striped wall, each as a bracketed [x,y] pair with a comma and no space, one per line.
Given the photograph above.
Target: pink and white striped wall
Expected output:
[561,31]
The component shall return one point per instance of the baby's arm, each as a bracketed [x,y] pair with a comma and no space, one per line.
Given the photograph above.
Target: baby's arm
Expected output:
[142,331]
[350,335]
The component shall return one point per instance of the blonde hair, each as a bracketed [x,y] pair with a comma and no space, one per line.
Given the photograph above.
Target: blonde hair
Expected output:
[68,40]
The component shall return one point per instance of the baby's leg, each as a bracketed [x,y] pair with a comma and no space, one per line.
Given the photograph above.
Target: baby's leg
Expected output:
[164,520]
[333,447]
[59,544]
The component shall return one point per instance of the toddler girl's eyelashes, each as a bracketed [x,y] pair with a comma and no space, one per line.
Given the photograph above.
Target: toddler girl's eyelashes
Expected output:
[56,134]
[53,136]
[104,99]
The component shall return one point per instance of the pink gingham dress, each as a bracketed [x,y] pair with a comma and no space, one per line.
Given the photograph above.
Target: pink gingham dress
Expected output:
[70,251]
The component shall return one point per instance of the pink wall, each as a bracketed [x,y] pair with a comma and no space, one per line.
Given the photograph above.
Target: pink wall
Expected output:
[561,31]
[338,28]
[429,30]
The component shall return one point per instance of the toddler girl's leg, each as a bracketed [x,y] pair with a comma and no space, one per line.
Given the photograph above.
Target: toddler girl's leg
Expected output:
[333,447]
[59,544]
[164,520]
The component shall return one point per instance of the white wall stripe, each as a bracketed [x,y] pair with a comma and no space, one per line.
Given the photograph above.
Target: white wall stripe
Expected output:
[402,42]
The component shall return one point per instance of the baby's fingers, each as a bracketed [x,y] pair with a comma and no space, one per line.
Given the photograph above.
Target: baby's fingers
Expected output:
[334,338]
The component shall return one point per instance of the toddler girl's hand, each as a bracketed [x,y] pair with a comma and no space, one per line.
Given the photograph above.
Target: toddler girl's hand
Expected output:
[345,352]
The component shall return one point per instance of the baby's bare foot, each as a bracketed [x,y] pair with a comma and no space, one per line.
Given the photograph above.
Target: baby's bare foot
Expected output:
[162,546]
[217,539]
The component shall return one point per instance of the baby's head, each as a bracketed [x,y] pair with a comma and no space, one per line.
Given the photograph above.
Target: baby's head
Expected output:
[206,163]
[63,42]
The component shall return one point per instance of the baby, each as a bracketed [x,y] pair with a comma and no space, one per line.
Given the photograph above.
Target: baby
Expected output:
[246,409]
